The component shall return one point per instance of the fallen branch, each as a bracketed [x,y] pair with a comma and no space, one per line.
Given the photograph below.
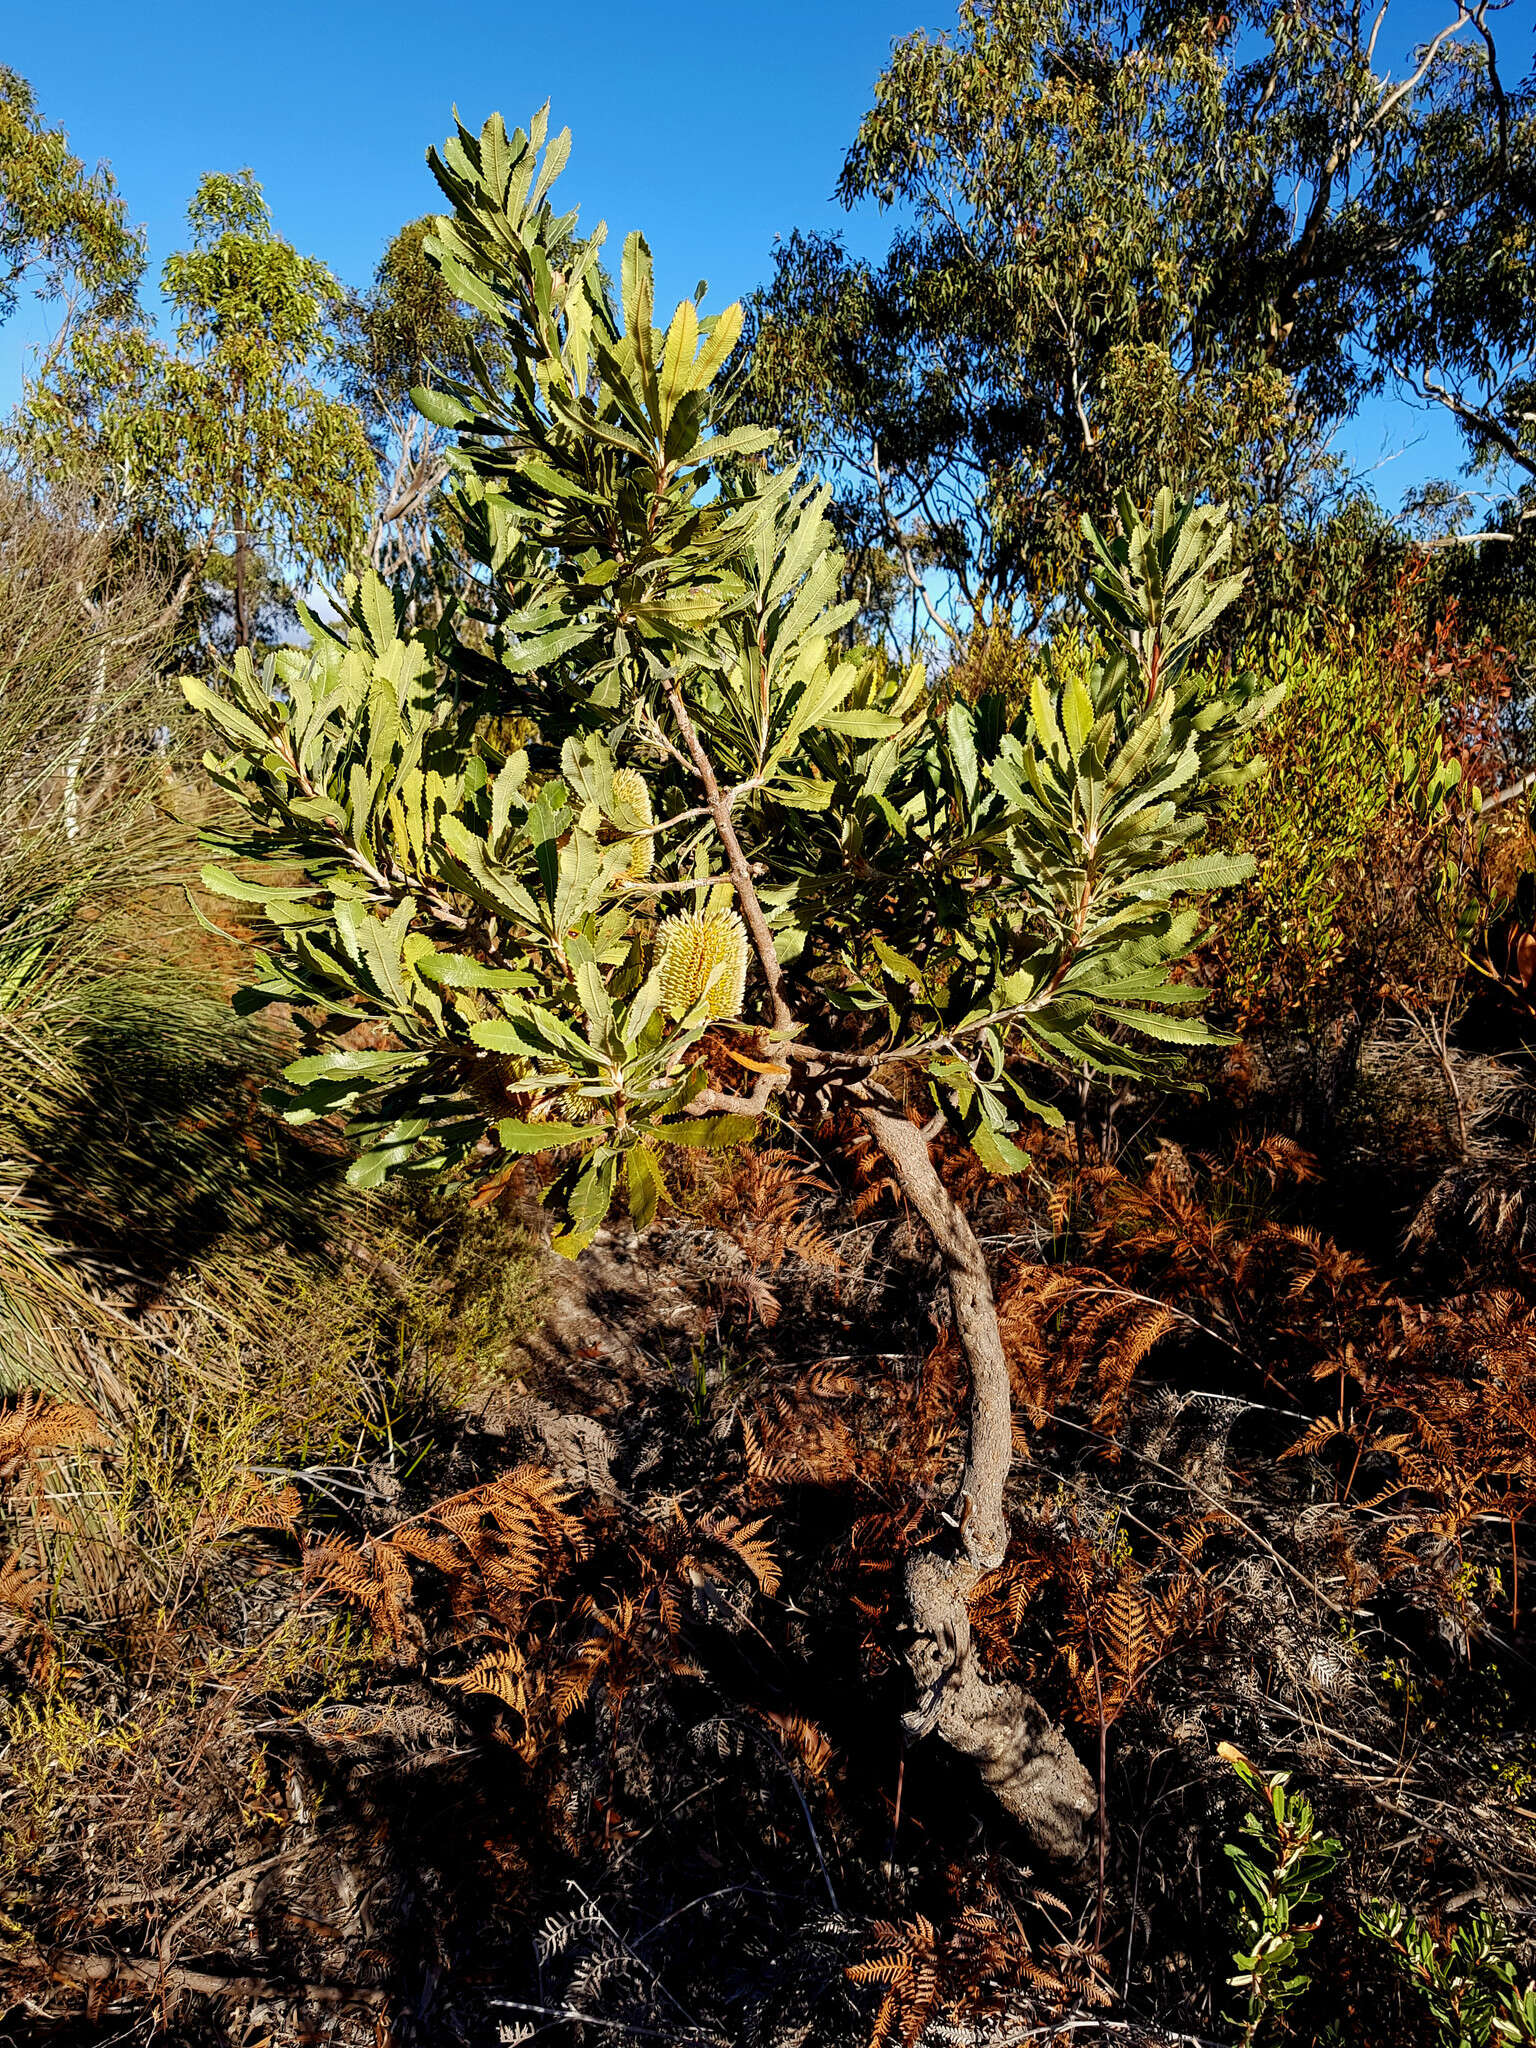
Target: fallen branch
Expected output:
[72,1968]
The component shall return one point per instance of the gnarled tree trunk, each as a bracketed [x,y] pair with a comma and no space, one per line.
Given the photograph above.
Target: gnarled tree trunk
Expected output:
[1021,1754]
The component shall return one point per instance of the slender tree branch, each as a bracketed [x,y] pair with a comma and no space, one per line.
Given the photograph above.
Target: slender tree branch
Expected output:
[736,860]
[99,1969]
[1481,422]
[904,549]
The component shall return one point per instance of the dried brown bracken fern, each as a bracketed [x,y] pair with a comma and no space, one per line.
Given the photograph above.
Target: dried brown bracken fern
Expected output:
[38,1425]
[251,1504]
[373,1576]
[974,1972]
[1108,1619]
[802,1434]
[1057,1322]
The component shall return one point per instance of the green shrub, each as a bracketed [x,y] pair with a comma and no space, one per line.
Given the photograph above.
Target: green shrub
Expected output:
[1466,1978]
[1280,1878]
[1362,834]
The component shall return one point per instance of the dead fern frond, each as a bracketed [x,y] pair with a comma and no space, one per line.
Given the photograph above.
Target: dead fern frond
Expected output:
[515,1536]
[746,1541]
[906,1962]
[762,1209]
[624,1644]
[502,1674]
[806,1741]
[36,1426]
[1131,1627]
[1104,1620]
[443,1553]
[20,1587]
[375,1578]
[1057,1322]
[960,1979]
[799,1436]
[1444,1427]
[251,1504]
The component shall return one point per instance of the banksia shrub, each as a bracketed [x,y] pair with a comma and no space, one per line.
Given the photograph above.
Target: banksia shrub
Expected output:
[632,811]
[702,958]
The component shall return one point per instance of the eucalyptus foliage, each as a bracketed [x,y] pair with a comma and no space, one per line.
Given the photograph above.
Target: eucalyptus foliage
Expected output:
[642,780]
[64,229]
[1132,243]
[229,439]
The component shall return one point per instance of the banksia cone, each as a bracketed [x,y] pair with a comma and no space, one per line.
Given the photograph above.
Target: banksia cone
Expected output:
[702,958]
[632,806]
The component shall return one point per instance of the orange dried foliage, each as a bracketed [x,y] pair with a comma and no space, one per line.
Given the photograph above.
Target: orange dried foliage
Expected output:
[251,1504]
[972,1969]
[1110,1620]
[1057,1322]
[1449,1399]
[38,1425]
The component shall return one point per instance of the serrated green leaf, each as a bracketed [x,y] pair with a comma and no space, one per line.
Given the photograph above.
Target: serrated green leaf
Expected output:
[515,1136]
[997,1151]
[961,729]
[713,1133]
[897,964]
[457,970]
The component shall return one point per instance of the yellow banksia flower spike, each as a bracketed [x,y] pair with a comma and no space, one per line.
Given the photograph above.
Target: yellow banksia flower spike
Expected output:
[702,958]
[632,806]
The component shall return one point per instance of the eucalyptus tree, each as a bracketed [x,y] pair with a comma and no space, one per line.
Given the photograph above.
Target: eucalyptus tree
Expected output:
[64,230]
[1163,242]
[269,456]
[1462,333]
[649,826]
[232,437]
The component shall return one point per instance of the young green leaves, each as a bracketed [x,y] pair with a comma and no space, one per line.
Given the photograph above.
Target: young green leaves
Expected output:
[543,848]
[1161,585]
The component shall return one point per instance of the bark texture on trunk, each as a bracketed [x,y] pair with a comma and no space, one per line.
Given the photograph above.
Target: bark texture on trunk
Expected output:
[242,555]
[989,1449]
[1021,1754]
[1024,1759]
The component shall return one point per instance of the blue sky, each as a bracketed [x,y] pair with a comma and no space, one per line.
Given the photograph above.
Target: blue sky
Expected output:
[710,126]
[713,127]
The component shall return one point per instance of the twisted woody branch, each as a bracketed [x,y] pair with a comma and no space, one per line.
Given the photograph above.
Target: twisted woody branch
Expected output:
[1021,1754]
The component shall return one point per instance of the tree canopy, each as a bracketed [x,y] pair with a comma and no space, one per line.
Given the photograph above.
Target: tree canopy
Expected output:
[233,435]
[62,226]
[1129,244]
